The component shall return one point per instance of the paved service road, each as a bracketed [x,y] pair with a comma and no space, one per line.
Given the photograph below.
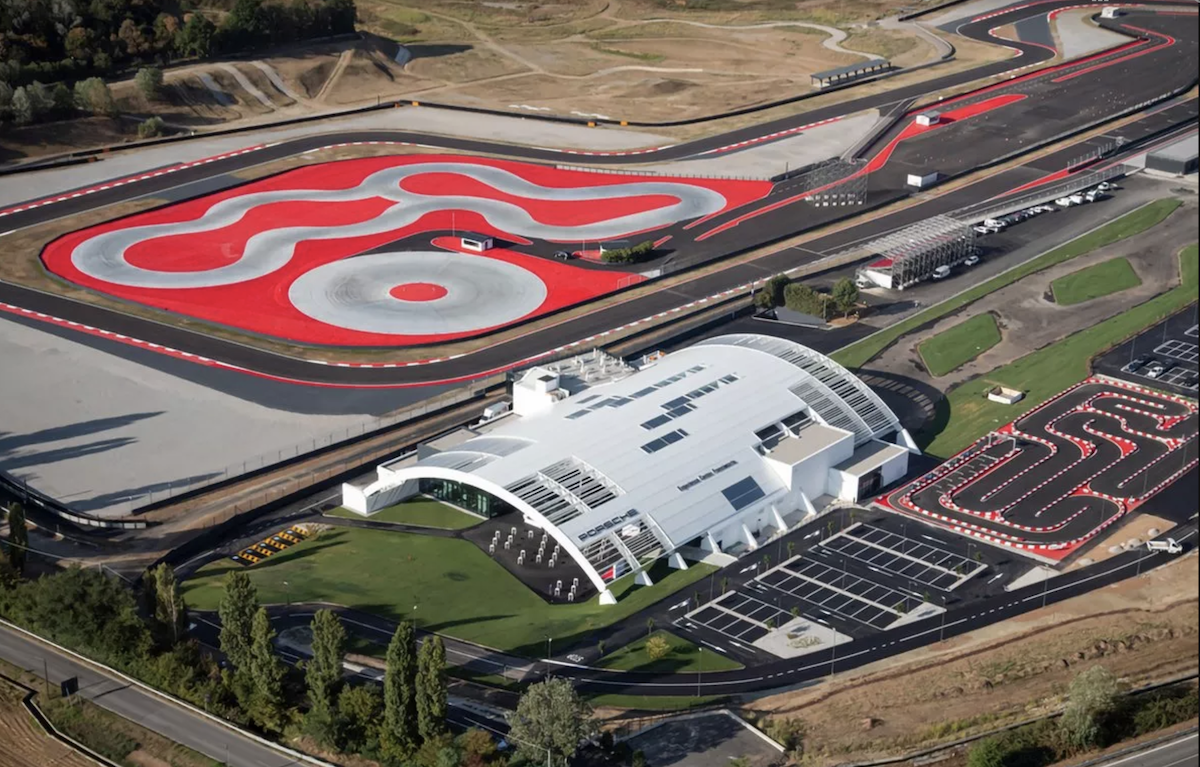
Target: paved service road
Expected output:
[147,709]
[1173,753]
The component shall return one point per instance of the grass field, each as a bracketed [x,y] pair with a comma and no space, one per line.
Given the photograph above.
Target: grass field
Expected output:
[1102,279]
[966,414]
[423,512]
[683,658]
[960,344]
[1135,222]
[444,585]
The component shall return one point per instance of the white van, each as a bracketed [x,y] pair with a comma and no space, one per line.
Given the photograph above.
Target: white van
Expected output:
[941,273]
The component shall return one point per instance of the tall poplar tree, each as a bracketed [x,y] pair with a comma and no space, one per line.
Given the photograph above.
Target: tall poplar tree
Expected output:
[431,688]
[267,674]
[237,608]
[400,691]
[324,674]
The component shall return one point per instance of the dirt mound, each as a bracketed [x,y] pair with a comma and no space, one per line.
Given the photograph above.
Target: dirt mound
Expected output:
[657,87]
[313,78]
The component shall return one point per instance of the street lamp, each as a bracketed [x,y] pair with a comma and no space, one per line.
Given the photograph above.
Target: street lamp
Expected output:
[548,643]
[287,595]
[700,669]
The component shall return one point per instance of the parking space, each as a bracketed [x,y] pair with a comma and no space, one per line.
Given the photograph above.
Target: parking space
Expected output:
[1178,349]
[1167,356]
[896,555]
[740,617]
[823,589]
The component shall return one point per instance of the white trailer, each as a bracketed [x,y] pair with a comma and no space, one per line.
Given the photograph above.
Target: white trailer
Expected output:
[922,180]
[1170,545]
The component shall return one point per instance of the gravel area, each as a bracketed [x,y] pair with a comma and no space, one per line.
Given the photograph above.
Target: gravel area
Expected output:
[1078,36]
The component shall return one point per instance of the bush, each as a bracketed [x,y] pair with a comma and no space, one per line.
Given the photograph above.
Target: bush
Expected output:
[149,81]
[657,647]
[92,95]
[632,255]
[150,127]
[802,298]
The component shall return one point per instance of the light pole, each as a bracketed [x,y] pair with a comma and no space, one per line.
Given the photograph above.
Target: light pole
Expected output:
[287,595]
[548,644]
[942,630]
[699,669]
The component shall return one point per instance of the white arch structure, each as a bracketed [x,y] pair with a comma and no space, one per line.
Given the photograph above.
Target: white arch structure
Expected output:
[716,443]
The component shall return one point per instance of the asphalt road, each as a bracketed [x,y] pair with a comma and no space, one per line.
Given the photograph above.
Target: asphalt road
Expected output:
[153,712]
[1173,753]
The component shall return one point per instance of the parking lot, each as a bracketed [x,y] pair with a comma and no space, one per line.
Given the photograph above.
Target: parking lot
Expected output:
[856,581]
[912,560]
[1164,357]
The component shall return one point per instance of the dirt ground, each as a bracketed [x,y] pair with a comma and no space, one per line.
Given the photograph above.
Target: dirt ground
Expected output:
[1029,320]
[23,743]
[643,60]
[1143,630]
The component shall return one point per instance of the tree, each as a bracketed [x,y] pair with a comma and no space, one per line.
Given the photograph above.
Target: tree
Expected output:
[149,81]
[63,99]
[266,673]
[400,733]
[802,298]
[236,610]
[79,43]
[1092,695]
[150,127]
[169,608]
[845,294]
[431,693]
[478,748]
[324,674]
[92,95]
[22,107]
[657,647]
[196,36]
[775,287]
[551,721]
[18,538]
[360,709]
[989,752]
[130,35]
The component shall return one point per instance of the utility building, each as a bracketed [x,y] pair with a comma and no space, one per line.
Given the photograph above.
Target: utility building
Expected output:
[717,446]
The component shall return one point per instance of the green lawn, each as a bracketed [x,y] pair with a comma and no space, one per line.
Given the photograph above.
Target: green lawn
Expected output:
[960,344]
[1135,222]
[442,584]
[1100,279]
[684,657]
[424,512]
[967,414]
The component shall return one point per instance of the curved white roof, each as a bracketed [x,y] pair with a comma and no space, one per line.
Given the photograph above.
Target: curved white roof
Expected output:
[637,467]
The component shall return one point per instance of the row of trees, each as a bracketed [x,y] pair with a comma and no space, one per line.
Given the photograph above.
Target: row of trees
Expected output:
[781,291]
[38,102]
[401,723]
[68,40]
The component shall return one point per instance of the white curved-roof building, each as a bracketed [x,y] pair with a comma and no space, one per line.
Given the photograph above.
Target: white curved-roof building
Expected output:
[715,445]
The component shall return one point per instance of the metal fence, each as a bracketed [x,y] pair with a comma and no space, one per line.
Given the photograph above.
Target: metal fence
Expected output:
[656,174]
[1074,183]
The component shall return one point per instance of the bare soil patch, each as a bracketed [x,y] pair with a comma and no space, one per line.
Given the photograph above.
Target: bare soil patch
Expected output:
[1143,630]
[23,743]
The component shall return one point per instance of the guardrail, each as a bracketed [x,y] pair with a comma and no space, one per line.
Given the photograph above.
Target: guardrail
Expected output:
[19,490]
[657,174]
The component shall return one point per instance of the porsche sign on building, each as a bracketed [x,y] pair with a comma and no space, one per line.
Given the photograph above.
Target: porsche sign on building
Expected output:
[716,446]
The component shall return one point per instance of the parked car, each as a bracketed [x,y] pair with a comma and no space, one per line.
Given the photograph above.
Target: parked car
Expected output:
[1064,202]
[1155,370]
[562,255]
[981,229]
[971,261]
[1134,365]
[941,273]
[1077,198]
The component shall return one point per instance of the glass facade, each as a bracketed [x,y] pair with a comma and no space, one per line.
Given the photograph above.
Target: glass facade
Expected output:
[464,496]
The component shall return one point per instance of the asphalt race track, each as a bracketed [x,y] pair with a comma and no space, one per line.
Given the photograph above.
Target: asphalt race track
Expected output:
[979,128]
[1058,476]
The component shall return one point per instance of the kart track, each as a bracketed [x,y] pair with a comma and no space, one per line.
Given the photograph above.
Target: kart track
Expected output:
[202,258]
[1056,477]
[282,246]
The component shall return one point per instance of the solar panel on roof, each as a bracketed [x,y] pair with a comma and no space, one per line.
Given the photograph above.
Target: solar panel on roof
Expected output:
[743,493]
